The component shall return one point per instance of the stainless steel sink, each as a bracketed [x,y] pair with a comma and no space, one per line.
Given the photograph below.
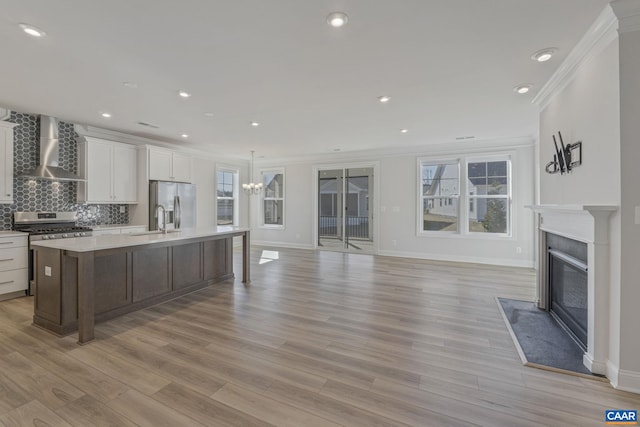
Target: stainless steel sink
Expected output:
[147,233]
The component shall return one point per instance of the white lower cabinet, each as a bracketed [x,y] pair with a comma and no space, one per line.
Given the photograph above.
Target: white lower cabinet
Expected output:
[14,263]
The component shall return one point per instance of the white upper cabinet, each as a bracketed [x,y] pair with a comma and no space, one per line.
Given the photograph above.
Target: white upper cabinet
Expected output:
[6,162]
[167,165]
[110,169]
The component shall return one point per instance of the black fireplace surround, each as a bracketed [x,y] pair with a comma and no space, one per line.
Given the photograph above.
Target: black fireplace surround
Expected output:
[568,285]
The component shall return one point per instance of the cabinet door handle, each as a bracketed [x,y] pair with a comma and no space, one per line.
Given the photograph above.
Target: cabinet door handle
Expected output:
[6,243]
[6,283]
[6,259]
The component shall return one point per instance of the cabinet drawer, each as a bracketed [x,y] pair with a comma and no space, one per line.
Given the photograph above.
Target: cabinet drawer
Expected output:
[13,258]
[14,280]
[13,242]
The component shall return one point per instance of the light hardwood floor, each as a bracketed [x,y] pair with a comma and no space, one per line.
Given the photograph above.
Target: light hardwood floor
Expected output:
[317,339]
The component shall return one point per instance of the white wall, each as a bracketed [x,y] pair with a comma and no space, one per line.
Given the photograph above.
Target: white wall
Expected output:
[630,238]
[398,209]
[601,107]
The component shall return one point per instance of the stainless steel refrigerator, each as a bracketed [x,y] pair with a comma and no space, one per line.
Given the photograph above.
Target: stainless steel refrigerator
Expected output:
[178,201]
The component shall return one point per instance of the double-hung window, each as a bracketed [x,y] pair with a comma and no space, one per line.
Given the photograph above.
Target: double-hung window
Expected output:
[227,197]
[273,198]
[468,195]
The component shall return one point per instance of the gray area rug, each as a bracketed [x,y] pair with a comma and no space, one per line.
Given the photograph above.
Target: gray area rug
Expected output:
[541,338]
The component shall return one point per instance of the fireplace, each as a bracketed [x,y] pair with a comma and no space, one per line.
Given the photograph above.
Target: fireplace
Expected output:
[568,285]
[578,238]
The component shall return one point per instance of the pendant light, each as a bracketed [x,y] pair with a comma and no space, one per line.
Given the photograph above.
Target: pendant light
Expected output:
[252,188]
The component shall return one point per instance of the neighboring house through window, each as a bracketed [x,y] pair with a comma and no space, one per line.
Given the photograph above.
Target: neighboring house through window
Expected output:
[227,196]
[273,198]
[465,196]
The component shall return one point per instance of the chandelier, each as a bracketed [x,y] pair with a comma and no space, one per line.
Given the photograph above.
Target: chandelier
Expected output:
[251,187]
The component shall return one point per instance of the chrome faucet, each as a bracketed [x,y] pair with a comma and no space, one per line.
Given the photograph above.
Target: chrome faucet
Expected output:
[164,218]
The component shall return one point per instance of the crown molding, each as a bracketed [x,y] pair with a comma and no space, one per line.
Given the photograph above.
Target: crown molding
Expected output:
[449,148]
[628,14]
[601,33]
[112,135]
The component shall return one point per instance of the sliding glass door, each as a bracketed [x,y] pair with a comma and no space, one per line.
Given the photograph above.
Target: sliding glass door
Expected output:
[345,209]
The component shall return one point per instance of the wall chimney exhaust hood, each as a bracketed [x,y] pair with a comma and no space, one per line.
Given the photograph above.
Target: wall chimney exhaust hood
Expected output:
[50,154]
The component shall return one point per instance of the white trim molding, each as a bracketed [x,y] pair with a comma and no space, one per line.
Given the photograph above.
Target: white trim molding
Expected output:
[628,14]
[601,33]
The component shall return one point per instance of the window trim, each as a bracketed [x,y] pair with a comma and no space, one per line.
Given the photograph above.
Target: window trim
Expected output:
[263,197]
[236,192]
[463,197]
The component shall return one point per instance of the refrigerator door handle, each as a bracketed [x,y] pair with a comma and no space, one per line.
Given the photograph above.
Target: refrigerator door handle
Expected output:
[178,212]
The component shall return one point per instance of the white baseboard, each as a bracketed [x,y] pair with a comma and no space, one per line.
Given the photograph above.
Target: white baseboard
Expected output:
[457,258]
[594,366]
[282,244]
[622,379]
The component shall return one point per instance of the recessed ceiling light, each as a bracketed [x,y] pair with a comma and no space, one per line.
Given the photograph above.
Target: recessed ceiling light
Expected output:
[32,31]
[184,94]
[130,85]
[522,89]
[337,19]
[184,135]
[106,115]
[404,130]
[255,124]
[208,114]
[384,98]
[544,54]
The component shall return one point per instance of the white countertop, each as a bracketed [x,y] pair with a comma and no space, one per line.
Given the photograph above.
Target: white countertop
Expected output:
[111,226]
[112,241]
[11,233]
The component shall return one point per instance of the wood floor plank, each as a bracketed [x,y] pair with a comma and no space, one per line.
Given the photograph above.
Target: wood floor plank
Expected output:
[88,411]
[148,412]
[120,369]
[48,388]
[33,413]
[317,338]
[267,409]
[204,409]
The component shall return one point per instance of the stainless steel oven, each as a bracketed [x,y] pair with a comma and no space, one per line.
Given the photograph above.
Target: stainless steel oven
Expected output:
[47,226]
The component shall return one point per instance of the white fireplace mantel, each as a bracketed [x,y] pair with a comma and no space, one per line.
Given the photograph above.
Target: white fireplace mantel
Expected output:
[588,224]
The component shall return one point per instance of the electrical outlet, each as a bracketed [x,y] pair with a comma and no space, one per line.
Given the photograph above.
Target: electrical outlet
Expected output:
[394,242]
[518,250]
[47,271]
[93,209]
[122,209]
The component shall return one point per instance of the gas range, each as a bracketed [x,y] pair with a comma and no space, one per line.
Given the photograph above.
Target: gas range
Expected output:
[49,225]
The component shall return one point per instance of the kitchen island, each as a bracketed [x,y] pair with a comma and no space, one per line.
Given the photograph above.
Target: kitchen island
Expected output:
[83,280]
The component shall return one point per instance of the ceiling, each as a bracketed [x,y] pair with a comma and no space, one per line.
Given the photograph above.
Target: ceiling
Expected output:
[449,67]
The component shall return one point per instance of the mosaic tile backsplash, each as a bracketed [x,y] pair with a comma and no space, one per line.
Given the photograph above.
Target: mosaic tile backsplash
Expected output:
[41,195]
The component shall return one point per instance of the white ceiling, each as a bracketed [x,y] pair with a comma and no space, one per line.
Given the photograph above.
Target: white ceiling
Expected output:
[448,66]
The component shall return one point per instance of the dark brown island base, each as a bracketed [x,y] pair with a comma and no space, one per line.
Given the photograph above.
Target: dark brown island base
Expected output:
[83,280]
